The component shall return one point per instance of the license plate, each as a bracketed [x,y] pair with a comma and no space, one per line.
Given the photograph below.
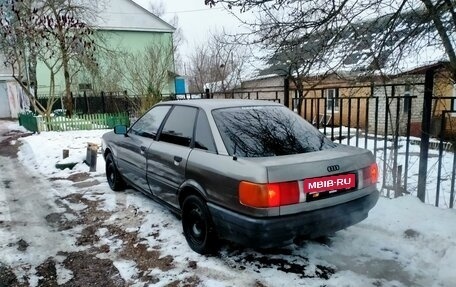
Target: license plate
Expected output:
[330,183]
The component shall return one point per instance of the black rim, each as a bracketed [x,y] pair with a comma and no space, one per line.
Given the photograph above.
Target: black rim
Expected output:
[110,174]
[196,225]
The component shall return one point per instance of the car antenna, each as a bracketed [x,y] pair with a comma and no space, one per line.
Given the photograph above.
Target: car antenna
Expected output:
[234,153]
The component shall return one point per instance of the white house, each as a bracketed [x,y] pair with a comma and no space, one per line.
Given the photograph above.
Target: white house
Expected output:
[12,100]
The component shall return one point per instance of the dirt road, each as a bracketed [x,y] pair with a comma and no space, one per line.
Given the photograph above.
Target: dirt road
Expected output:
[34,229]
[70,229]
[48,233]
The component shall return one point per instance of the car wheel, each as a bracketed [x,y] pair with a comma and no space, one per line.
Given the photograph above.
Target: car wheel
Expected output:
[198,228]
[113,176]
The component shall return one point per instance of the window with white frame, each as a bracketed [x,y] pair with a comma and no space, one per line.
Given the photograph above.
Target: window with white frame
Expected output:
[407,98]
[332,100]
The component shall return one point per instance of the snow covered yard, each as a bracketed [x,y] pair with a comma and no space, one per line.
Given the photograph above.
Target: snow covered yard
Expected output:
[68,228]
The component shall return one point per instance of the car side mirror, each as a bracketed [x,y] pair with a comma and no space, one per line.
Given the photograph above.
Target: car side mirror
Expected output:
[120,130]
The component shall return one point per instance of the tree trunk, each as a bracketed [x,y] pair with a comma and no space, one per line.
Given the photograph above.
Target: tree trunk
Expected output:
[65,63]
[443,34]
[68,98]
[51,96]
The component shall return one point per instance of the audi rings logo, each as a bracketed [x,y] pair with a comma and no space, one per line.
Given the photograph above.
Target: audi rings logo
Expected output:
[332,168]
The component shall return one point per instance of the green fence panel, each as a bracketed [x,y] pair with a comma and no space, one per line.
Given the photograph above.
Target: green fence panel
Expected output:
[29,121]
[81,122]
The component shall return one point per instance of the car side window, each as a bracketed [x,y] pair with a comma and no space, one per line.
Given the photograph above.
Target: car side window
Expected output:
[178,128]
[149,123]
[203,134]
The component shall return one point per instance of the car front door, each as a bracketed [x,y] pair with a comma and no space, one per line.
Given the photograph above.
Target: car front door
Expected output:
[167,157]
[133,147]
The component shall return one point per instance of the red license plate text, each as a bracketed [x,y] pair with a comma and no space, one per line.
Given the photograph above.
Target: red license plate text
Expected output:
[328,183]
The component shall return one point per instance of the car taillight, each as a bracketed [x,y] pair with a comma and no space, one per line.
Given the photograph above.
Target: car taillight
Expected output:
[269,194]
[370,174]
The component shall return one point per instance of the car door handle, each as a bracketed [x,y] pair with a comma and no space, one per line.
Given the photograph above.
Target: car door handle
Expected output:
[177,159]
[143,149]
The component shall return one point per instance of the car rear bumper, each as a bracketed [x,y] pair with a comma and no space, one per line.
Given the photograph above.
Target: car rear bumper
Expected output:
[282,230]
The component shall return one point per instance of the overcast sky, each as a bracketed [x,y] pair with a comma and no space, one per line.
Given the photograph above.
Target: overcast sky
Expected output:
[196,20]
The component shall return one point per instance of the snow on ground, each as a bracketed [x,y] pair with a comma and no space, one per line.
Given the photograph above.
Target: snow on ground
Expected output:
[402,243]
[27,203]
[11,126]
[8,126]
[413,164]
[43,151]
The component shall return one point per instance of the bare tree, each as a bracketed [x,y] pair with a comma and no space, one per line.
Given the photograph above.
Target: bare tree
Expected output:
[178,41]
[295,61]
[198,71]
[65,23]
[434,23]
[143,74]
[20,42]
[217,64]
[159,9]
[51,32]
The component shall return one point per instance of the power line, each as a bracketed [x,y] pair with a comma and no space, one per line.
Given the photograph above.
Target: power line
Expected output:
[196,10]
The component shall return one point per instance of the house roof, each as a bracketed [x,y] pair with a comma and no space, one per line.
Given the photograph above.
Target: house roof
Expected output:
[362,49]
[217,86]
[127,15]
[263,77]
[424,68]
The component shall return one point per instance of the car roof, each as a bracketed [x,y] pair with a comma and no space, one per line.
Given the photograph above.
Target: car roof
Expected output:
[211,104]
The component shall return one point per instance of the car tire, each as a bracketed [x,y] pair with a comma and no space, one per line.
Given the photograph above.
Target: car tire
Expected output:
[197,224]
[113,176]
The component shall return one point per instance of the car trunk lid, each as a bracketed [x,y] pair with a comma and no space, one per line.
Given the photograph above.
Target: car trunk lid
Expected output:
[324,178]
[339,160]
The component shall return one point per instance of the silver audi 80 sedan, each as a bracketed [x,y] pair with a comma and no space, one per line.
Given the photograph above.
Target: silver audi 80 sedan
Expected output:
[252,172]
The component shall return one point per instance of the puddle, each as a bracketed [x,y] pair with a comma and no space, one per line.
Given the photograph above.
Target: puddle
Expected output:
[375,268]
[282,262]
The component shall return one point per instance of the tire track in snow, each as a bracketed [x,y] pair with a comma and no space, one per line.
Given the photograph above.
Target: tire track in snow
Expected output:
[24,204]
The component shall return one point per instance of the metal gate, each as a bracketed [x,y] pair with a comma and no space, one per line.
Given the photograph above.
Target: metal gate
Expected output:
[446,166]
[391,127]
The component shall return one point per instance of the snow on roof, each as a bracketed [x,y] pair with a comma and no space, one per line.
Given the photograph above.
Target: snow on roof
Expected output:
[220,86]
[363,49]
[263,77]
[130,16]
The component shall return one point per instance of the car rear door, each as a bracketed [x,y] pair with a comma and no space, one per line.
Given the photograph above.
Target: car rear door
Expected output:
[167,157]
[132,148]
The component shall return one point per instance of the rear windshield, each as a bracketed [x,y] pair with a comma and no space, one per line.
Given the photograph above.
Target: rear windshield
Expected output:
[262,131]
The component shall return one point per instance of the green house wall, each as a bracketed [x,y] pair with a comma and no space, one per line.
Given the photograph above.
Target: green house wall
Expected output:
[117,41]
